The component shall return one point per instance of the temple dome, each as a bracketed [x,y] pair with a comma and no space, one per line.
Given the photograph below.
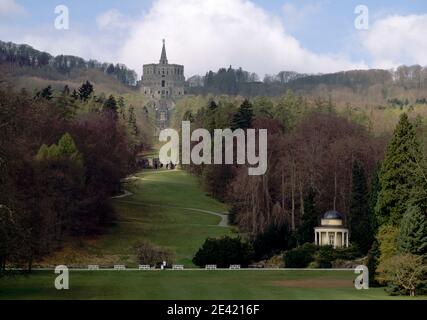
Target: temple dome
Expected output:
[332,215]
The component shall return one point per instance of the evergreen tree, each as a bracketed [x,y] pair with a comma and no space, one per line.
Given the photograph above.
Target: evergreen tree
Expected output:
[210,120]
[110,104]
[132,121]
[400,174]
[75,95]
[45,93]
[373,197]
[85,91]
[309,219]
[372,262]
[412,237]
[359,218]
[243,118]
[213,106]
[66,90]
[121,107]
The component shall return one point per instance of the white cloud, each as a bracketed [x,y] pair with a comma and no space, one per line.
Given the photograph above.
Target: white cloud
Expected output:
[10,7]
[397,40]
[210,34]
[295,17]
[112,19]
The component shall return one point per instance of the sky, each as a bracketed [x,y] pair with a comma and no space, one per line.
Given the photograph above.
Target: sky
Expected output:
[262,36]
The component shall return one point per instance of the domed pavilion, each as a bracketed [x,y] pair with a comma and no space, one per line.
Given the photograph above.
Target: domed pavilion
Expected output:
[332,231]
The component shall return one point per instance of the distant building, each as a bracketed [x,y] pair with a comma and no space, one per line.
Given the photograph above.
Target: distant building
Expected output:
[163,80]
[332,231]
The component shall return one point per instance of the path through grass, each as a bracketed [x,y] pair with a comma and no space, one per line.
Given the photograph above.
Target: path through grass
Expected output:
[156,212]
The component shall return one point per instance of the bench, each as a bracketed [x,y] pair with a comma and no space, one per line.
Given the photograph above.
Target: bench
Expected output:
[119,267]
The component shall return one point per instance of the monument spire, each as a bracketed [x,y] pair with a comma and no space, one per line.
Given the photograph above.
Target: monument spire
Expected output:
[164,58]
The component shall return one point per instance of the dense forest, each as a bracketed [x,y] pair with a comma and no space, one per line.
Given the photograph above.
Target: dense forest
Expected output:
[62,156]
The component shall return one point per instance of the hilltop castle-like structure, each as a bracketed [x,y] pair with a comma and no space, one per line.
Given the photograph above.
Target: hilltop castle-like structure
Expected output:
[163,80]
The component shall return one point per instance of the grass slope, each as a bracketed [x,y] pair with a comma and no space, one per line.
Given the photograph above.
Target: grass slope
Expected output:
[152,213]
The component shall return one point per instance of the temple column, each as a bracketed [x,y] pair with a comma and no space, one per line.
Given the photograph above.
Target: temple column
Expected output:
[342,238]
[346,238]
[335,239]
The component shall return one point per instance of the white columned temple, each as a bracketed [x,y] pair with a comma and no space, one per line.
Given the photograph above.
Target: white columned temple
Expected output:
[332,232]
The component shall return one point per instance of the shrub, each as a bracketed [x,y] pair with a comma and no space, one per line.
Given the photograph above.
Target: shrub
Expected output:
[150,254]
[273,241]
[349,253]
[402,273]
[325,256]
[224,252]
[300,257]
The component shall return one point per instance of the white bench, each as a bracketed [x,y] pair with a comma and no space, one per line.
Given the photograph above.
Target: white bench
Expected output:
[235,267]
[119,267]
[210,267]
[177,267]
[144,267]
[93,267]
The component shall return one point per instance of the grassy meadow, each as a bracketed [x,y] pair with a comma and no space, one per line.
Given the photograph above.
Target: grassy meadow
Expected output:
[200,285]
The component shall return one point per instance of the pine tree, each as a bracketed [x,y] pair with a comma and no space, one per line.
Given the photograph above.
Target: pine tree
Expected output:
[75,95]
[359,218]
[110,104]
[400,174]
[412,237]
[243,117]
[373,197]
[122,106]
[85,91]
[213,106]
[309,219]
[66,91]
[210,120]
[372,262]
[45,93]
[132,121]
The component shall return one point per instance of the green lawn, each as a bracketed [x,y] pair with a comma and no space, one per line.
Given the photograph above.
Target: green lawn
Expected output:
[146,285]
[154,212]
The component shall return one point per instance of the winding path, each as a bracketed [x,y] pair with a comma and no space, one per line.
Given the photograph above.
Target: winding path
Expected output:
[224,217]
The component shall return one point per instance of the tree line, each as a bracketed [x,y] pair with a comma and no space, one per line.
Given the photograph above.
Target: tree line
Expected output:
[26,56]
[239,82]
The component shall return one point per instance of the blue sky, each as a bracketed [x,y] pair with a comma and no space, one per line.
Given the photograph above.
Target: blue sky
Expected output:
[303,35]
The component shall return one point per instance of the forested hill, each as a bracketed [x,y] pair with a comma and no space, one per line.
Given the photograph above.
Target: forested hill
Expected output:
[18,60]
[360,86]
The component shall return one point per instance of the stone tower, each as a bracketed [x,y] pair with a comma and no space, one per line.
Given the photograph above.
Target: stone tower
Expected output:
[163,80]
